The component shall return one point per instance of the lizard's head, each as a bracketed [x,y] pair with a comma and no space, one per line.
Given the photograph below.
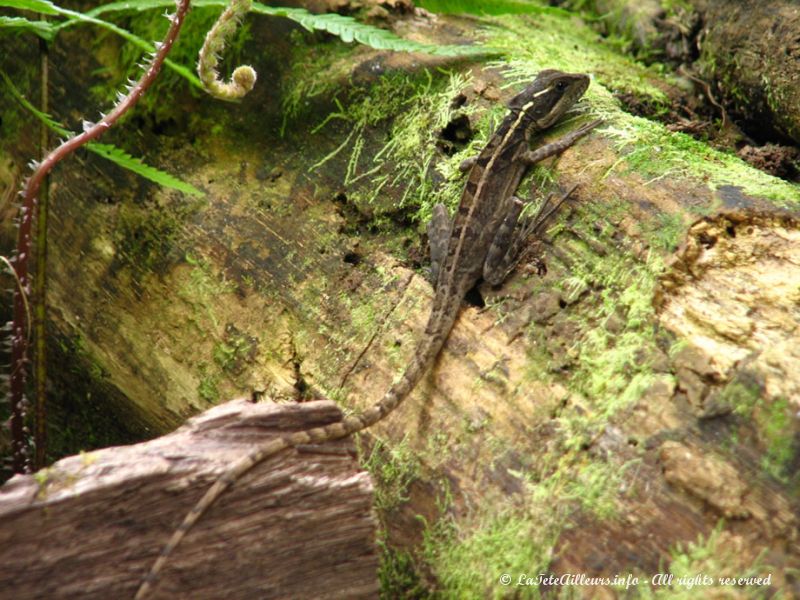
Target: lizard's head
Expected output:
[550,95]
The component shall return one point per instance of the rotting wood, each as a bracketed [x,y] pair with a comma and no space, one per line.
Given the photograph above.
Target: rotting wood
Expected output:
[91,525]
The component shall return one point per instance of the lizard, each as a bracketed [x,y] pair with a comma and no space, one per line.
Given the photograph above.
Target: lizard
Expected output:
[480,241]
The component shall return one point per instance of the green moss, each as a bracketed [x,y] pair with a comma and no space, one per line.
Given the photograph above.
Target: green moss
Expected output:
[318,70]
[468,557]
[41,477]
[773,422]
[716,557]
[665,232]
[398,576]
[207,389]
[201,291]
[570,46]
[404,171]
[392,469]
[146,237]
[52,480]
[741,397]
[609,370]
[234,352]
[650,149]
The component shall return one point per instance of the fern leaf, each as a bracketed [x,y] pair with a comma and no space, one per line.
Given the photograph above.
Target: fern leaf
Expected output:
[44,29]
[40,6]
[346,28]
[75,17]
[107,151]
[119,157]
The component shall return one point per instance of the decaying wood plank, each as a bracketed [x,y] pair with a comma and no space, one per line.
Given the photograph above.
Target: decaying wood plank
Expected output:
[298,526]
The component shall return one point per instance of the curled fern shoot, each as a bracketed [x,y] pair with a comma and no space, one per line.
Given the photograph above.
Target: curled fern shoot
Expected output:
[244,77]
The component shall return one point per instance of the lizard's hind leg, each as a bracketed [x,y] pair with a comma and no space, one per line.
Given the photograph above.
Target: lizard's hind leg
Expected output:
[438,237]
[511,238]
[499,260]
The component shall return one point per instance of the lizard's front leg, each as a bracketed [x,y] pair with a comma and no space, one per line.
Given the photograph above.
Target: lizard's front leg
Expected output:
[556,147]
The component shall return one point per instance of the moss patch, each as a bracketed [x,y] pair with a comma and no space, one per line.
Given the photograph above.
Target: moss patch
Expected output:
[84,411]
[392,469]
[723,558]
[646,147]
[773,422]
[469,555]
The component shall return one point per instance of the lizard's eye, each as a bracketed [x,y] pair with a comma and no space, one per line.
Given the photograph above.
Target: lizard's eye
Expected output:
[561,86]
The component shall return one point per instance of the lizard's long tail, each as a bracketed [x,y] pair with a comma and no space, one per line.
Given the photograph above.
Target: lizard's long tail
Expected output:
[427,349]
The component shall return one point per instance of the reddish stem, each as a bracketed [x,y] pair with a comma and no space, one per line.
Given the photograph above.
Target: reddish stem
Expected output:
[19,340]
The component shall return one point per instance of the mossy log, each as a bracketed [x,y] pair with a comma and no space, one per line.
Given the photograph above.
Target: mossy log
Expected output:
[625,403]
[59,542]
[747,51]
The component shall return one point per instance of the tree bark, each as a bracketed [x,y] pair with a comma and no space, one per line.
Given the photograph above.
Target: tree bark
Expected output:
[91,526]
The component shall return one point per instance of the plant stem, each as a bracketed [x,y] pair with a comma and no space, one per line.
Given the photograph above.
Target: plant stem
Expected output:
[40,280]
[19,339]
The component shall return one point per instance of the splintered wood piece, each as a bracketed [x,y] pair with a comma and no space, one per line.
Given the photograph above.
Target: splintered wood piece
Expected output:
[297,526]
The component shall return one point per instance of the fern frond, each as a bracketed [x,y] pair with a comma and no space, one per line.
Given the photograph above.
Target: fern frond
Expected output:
[107,151]
[349,30]
[119,157]
[44,29]
[346,28]
[75,17]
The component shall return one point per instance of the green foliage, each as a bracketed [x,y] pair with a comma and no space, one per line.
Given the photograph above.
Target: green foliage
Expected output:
[410,164]
[773,422]
[40,6]
[349,30]
[393,469]
[469,555]
[144,17]
[719,556]
[135,165]
[664,232]
[207,389]
[609,372]
[73,18]
[346,28]
[41,28]
[398,576]
[468,562]
[653,151]
[234,352]
[108,151]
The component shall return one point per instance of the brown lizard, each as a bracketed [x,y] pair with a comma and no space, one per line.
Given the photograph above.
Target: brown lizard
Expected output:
[482,240]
